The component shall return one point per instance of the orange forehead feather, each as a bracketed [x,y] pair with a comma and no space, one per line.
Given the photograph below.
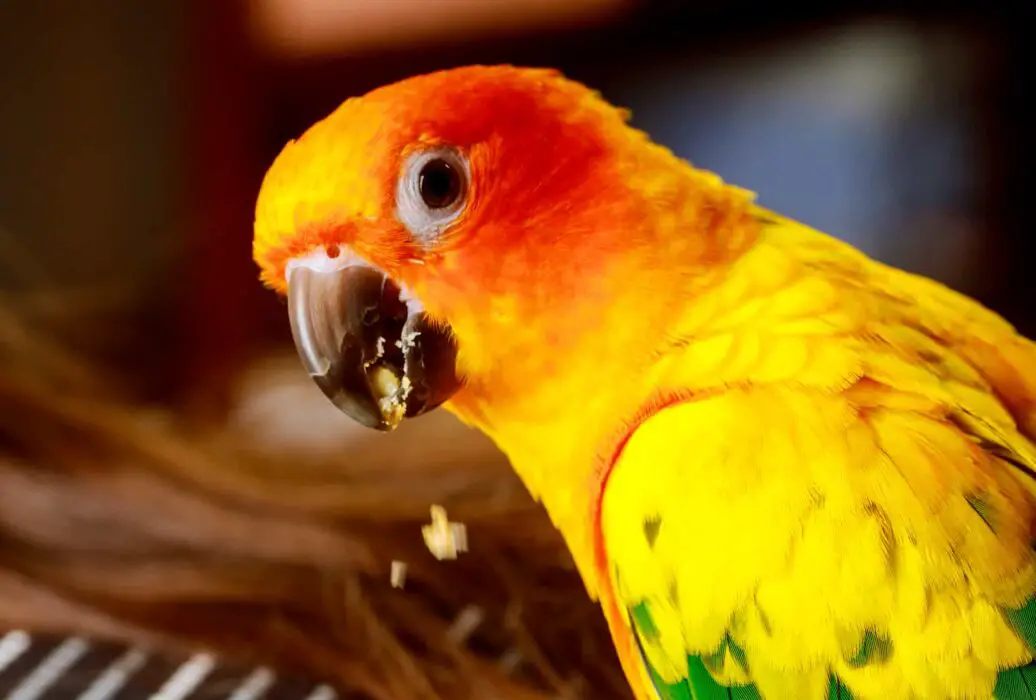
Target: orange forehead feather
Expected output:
[332,173]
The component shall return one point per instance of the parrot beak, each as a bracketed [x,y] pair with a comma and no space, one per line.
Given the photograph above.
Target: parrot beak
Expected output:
[376,357]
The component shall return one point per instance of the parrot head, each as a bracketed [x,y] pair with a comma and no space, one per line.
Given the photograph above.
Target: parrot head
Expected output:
[472,236]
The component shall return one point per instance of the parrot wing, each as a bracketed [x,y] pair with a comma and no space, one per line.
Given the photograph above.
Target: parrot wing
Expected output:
[867,538]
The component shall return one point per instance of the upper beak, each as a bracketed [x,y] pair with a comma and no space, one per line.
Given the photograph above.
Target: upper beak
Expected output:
[377,359]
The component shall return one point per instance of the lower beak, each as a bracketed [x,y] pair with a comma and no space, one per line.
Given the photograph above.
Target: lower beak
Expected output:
[377,359]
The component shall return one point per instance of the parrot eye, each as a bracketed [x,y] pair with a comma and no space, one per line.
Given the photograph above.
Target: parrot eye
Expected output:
[431,191]
[439,184]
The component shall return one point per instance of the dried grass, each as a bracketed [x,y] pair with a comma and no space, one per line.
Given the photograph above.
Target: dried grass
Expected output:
[121,524]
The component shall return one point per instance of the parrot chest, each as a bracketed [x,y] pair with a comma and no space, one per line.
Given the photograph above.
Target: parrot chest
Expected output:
[568,485]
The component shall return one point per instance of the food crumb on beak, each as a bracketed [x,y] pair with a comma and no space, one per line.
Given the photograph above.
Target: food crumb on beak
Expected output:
[393,391]
[385,381]
[443,538]
[407,340]
[398,574]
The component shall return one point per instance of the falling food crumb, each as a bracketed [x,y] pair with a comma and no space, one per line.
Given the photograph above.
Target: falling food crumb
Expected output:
[466,622]
[398,574]
[443,538]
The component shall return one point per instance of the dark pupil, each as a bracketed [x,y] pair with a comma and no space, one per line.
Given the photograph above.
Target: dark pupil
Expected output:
[439,184]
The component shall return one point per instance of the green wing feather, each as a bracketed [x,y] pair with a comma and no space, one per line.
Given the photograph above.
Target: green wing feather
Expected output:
[1012,684]
[1020,683]
[699,684]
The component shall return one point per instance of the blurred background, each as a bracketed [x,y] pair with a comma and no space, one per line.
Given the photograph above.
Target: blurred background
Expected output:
[173,490]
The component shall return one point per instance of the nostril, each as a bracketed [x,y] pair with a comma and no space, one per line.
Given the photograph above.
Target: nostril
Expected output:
[371,316]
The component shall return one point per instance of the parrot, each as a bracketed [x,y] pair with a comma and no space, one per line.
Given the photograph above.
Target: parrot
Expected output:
[784,469]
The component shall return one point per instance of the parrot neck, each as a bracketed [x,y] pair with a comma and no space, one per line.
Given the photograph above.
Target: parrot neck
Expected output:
[555,386]
[556,440]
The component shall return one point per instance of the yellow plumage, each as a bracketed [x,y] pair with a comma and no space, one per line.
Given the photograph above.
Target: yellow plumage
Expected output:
[832,487]
[784,469]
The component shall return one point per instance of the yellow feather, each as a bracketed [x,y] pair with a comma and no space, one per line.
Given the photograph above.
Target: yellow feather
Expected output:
[831,461]
[821,497]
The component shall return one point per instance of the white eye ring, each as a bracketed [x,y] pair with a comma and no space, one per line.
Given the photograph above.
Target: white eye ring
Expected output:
[444,175]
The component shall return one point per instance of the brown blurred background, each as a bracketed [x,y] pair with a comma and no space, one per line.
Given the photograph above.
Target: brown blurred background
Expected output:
[143,363]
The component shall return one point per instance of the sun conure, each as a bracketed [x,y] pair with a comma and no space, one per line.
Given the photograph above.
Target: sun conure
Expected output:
[785,470]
